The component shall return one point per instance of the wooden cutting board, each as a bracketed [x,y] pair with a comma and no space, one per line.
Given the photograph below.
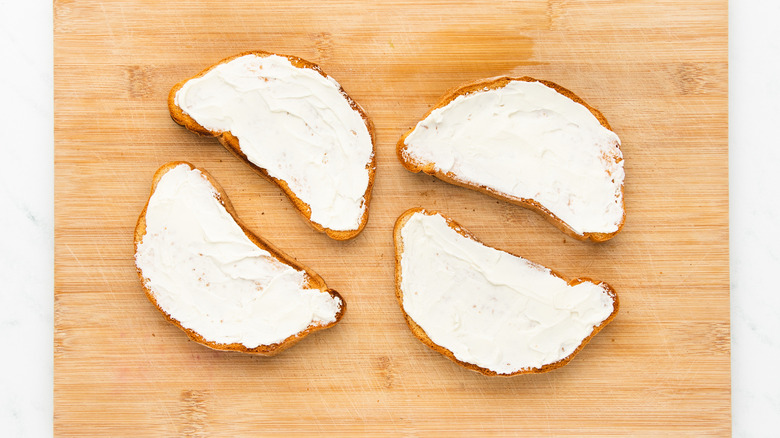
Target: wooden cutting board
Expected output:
[658,71]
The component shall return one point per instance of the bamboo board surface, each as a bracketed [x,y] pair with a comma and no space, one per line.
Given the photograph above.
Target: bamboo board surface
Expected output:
[658,72]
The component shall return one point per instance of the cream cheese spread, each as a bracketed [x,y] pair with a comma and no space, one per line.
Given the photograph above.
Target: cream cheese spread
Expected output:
[491,308]
[205,272]
[528,141]
[296,124]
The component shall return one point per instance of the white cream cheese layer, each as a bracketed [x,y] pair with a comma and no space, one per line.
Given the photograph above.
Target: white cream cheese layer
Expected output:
[296,124]
[528,141]
[206,273]
[489,307]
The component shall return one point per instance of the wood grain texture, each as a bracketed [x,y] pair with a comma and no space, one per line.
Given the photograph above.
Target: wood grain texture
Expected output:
[658,72]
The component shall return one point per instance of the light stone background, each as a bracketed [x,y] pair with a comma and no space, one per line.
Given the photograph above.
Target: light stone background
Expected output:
[27,216]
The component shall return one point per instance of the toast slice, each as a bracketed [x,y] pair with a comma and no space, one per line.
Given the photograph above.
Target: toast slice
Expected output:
[488,310]
[530,142]
[292,124]
[226,287]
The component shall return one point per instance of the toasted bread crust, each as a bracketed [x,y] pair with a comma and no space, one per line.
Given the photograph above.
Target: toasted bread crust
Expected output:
[314,281]
[423,337]
[231,143]
[491,84]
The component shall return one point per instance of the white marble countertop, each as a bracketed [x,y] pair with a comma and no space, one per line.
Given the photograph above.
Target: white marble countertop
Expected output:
[26,191]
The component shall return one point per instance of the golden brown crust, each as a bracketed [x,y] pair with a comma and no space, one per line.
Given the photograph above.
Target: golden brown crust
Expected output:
[314,280]
[230,142]
[491,84]
[422,336]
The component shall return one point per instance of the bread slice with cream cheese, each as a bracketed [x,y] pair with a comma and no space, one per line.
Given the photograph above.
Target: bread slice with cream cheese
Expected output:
[226,287]
[292,124]
[529,142]
[486,309]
